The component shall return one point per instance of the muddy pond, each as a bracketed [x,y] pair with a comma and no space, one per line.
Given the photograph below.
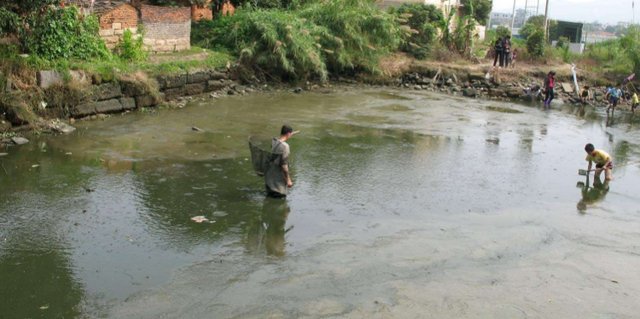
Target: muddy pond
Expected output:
[405,205]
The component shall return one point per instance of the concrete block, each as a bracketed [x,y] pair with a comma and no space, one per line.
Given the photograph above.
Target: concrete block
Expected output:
[109,106]
[118,32]
[198,76]
[172,81]
[111,39]
[146,101]
[195,88]
[83,110]
[48,78]
[107,91]
[117,26]
[218,76]
[172,41]
[106,32]
[132,88]
[172,94]
[215,85]
[128,103]
[148,41]
[161,42]
[80,76]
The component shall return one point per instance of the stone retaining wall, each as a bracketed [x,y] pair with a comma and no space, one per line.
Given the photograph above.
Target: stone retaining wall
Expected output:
[125,95]
[193,83]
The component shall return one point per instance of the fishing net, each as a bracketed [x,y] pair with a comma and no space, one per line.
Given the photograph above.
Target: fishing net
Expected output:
[261,155]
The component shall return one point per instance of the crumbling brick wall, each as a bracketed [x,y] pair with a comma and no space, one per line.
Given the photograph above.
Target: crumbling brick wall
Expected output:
[203,12]
[115,21]
[167,29]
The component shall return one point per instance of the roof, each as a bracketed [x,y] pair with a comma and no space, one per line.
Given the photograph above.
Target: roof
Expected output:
[165,14]
[99,6]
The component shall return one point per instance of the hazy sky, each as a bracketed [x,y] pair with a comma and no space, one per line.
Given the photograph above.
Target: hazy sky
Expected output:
[606,11]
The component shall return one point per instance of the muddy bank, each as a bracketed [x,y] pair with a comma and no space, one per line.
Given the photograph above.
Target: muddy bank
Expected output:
[81,96]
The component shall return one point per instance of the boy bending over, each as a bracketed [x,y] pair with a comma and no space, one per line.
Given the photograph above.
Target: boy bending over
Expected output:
[602,159]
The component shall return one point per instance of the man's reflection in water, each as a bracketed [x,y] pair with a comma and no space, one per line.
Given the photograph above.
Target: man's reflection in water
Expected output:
[271,230]
[592,195]
[275,212]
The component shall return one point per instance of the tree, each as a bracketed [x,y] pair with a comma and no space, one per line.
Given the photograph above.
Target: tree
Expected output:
[536,20]
[13,13]
[481,9]
[528,29]
[502,31]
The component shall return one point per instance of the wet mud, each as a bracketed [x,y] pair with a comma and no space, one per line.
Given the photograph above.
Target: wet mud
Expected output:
[405,205]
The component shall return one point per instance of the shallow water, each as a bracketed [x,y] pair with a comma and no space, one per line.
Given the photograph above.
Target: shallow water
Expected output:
[405,205]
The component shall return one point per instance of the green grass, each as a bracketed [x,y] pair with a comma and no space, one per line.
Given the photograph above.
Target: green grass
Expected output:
[111,68]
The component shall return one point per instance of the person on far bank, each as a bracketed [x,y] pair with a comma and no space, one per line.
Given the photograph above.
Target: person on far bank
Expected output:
[277,178]
[614,98]
[602,159]
[584,94]
[634,102]
[549,83]
[499,49]
[514,55]
[507,51]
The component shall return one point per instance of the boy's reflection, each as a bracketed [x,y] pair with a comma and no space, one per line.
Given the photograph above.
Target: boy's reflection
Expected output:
[592,195]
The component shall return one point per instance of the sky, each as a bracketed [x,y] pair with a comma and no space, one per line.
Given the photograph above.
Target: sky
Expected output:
[604,11]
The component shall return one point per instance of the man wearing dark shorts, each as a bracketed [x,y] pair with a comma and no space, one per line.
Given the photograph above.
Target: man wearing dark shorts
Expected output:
[614,97]
[603,161]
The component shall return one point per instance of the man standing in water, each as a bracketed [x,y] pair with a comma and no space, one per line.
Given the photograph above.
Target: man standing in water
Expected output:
[277,178]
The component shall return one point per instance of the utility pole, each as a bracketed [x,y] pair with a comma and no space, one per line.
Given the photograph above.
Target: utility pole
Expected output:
[526,3]
[538,7]
[546,19]
[513,16]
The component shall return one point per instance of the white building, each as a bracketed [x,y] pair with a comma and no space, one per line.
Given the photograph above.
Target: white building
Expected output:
[443,5]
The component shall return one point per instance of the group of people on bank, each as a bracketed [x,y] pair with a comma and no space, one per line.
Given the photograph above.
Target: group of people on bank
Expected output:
[504,56]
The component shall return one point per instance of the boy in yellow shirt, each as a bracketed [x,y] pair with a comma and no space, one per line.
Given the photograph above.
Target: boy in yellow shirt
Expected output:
[602,159]
[635,100]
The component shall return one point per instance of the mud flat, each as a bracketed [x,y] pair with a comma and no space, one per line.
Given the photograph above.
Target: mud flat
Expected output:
[407,204]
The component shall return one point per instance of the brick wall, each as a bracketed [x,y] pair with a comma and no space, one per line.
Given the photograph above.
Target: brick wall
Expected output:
[126,15]
[114,22]
[167,29]
[201,12]
[228,9]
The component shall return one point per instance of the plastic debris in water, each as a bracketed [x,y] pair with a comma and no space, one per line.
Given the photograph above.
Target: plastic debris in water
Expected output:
[45,307]
[199,219]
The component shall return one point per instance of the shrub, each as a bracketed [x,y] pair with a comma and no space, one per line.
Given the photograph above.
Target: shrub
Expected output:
[631,45]
[61,33]
[527,29]
[131,49]
[536,44]
[421,18]
[314,39]
[562,42]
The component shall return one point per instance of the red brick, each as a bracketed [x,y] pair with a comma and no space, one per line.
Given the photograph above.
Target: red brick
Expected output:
[125,14]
